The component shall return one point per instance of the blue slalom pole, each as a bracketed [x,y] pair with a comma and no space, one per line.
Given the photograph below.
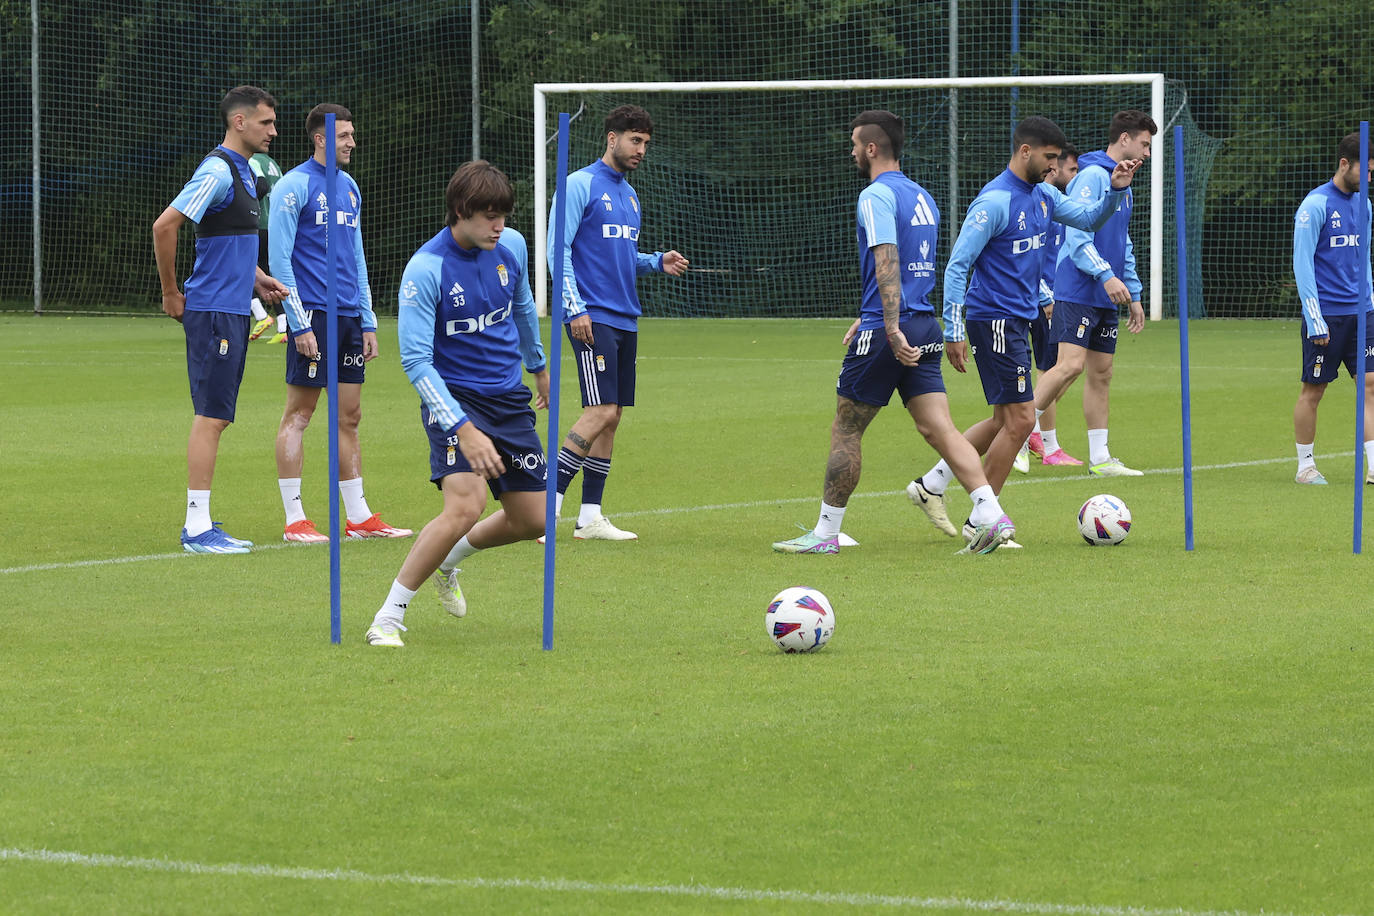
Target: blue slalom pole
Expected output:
[555,363]
[1360,324]
[331,362]
[1180,216]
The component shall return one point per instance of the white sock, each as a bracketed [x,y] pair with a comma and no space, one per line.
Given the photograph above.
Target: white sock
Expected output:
[259,313]
[281,323]
[460,552]
[1305,459]
[589,513]
[1038,414]
[197,512]
[1368,457]
[1097,446]
[1051,439]
[937,478]
[394,608]
[291,499]
[355,506]
[557,505]
[832,517]
[986,508]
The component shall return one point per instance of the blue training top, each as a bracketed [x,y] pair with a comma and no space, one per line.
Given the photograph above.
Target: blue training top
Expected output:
[994,267]
[1090,259]
[602,259]
[1328,262]
[297,249]
[894,210]
[226,265]
[455,321]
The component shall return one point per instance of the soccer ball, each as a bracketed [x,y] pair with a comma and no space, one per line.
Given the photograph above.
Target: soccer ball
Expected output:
[1104,520]
[800,620]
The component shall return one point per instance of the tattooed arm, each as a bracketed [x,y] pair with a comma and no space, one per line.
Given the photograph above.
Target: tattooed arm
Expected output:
[888,275]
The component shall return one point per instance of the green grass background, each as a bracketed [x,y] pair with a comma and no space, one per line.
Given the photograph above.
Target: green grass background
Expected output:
[1102,727]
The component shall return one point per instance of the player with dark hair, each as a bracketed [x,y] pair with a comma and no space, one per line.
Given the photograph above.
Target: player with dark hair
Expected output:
[1332,272]
[1094,277]
[601,307]
[898,228]
[221,199]
[1044,440]
[304,223]
[467,321]
[992,292]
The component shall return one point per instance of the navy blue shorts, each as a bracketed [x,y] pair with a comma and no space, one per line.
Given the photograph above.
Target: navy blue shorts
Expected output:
[508,420]
[871,373]
[216,350]
[1323,364]
[1002,351]
[1043,344]
[311,373]
[606,370]
[1086,326]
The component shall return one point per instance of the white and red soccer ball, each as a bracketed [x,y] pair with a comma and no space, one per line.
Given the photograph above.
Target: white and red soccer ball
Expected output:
[800,620]
[1104,519]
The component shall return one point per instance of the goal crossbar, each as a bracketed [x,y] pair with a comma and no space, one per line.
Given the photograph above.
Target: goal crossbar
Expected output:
[542,90]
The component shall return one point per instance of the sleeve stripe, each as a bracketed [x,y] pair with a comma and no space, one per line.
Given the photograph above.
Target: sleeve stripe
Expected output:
[199,201]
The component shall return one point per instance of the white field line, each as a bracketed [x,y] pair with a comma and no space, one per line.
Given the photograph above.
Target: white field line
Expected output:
[678,510]
[568,886]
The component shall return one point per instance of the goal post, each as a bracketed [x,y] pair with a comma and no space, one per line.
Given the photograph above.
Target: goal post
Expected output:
[983,133]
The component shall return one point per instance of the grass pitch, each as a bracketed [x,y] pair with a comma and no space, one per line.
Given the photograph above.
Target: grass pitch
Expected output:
[1060,729]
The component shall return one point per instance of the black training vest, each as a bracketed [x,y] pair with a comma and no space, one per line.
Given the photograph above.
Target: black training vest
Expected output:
[240,217]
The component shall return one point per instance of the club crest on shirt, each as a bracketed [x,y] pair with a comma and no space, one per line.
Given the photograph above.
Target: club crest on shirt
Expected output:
[634,202]
[352,200]
[1044,210]
[502,274]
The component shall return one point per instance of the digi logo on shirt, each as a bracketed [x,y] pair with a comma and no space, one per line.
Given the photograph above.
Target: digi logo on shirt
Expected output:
[619,231]
[480,323]
[1031,243]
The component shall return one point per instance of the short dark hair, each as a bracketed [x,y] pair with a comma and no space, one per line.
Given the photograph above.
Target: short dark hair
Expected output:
[1068,150]
[1037,131]
[1348,149]
[1131,121]
[889,132]
[241,97]
[629,117]
[314,122]
[477,186]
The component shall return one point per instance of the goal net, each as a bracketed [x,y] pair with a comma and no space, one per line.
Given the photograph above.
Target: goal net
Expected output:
[752,181]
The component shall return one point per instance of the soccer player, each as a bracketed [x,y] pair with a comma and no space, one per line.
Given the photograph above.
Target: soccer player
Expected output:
[1044,440]
[467,321]
[993,278]
[221,199]
[1331,268]
[299,230]
[601,307]
[895,345]
[267,173]
[1094,277]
